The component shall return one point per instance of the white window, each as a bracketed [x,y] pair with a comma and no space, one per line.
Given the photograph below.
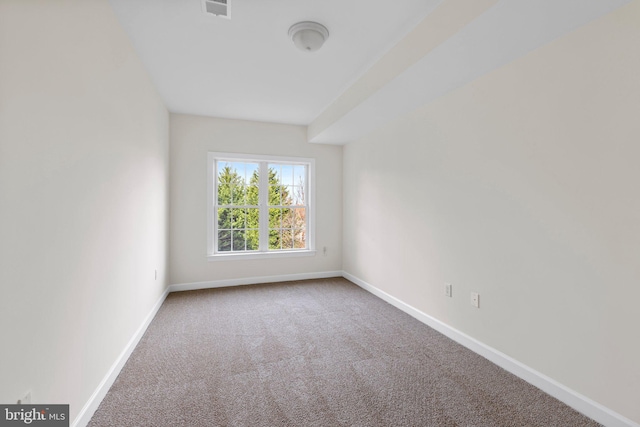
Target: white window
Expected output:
[260,206]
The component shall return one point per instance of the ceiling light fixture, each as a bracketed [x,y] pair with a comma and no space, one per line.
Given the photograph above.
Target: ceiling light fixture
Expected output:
[308,36]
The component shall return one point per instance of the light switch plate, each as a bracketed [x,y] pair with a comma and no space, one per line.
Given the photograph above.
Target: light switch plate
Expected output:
[448,289]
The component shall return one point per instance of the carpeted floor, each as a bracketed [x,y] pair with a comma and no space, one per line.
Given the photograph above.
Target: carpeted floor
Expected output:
[311,353]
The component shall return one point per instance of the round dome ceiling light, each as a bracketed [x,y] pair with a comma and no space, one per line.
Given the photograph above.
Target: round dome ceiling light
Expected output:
[308,36]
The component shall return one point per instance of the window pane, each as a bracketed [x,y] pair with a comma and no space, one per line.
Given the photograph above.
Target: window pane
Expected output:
[299,218]
[274,185]
[239,241]
[224,194]
[253,184]
[298,195]
[224,218]
[223,169]
[299,175]
[300,181]
[238,194]
[299,239]
[274,195]
[239,168]
[274,174]
[238,183]
[287,218]
[239,218]
[224,241]
[287,239]
[228,177]
[286,195]
[275,239]
[287,175]
[253,218]
[275,218]
[251,169]
[253,239]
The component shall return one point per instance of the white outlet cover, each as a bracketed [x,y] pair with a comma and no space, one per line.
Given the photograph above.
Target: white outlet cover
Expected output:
[475,299]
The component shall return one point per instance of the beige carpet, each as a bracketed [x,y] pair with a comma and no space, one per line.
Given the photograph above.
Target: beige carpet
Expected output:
[311,353]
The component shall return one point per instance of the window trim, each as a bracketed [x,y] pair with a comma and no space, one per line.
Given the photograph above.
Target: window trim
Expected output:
[212,217]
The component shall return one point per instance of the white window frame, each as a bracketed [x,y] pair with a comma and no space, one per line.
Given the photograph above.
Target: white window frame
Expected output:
[212,216]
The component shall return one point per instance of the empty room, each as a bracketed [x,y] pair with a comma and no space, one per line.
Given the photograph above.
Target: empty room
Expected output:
[304,213]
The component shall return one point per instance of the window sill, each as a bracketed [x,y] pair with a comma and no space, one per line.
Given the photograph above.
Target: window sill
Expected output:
[260,255]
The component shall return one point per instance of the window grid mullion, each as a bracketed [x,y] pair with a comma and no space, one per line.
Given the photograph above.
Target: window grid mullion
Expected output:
[307,203]
[263,192]
[214,217]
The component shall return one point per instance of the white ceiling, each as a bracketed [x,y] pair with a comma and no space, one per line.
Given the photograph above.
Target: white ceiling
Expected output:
[247,67]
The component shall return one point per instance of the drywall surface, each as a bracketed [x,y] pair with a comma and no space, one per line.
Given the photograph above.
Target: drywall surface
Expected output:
[83,197]
[191,138]
[523,187]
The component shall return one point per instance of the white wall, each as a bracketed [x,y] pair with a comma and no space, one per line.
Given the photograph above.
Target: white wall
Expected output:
[191,138]
[83,197]
[522,186]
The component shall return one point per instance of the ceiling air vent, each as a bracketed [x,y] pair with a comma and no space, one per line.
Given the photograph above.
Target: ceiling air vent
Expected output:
[217,8]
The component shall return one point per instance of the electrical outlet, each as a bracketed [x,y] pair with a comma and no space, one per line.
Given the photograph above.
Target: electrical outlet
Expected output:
[448,289]
[324,251]
[26,399]
[475,299]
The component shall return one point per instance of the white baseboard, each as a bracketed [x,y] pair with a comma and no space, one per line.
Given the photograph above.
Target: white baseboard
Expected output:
[252,281]
[580,403]
[83,418]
